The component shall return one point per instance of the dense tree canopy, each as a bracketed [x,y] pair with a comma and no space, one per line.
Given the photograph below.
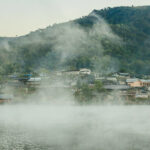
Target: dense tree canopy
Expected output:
[107,40]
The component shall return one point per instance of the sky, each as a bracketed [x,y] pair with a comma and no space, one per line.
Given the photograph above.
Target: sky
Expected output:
[19,17]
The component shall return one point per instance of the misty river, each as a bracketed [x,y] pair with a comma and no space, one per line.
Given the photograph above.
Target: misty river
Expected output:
[46,127]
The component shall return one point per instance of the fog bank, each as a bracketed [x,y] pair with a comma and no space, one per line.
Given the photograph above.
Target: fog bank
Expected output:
[74,127]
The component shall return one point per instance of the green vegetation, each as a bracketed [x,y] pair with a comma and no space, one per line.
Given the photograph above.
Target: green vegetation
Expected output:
[89,93]
[37,50]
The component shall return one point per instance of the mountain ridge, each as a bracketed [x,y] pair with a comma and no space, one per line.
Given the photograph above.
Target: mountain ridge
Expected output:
[131,24]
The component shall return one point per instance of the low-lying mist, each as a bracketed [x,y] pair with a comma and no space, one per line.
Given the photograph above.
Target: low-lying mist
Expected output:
[55,127]
[50,119]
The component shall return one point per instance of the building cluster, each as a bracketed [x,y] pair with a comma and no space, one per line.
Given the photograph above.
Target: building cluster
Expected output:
[126,85]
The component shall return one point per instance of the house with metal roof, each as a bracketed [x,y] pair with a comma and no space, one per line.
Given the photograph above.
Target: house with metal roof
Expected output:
[116,87]
[5,98]
[134,82]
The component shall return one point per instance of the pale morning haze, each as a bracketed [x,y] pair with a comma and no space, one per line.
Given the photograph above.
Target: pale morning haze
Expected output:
[75,75]
[19,17]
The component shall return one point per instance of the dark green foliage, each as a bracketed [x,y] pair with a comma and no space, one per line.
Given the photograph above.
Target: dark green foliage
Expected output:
[85,92]
[132,24]
[98,86]
[37,50]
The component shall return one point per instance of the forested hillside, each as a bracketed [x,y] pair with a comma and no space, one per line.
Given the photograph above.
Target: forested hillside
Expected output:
[108,40]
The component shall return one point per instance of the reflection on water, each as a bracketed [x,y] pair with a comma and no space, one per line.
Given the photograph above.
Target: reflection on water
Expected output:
[74,128]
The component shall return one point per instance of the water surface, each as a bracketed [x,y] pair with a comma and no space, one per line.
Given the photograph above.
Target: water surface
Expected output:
[46,127]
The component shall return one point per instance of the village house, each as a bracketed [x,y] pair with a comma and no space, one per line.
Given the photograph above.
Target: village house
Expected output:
[121,82]
[116,87]
[145,83]
[110,81]
[34,81]
[134,82]
[140,95]
[85,71]
[121,75]
[124,75]
[4,98]
[69,73]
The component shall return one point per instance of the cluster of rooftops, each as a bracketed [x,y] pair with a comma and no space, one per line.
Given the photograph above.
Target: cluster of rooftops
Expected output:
[115,81]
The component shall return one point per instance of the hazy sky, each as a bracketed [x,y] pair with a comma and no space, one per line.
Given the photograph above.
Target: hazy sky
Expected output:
[18,17]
